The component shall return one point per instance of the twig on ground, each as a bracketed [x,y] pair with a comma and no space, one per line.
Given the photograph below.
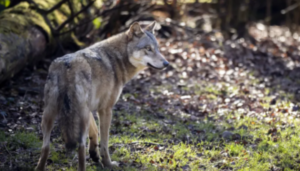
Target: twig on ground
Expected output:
[139,142]
[6,149]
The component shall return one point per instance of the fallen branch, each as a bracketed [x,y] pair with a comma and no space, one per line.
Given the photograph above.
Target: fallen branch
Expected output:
[290,8]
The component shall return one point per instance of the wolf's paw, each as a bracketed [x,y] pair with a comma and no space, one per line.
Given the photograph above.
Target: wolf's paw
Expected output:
[114,164]
[111,164]
[37,168]
[95,156]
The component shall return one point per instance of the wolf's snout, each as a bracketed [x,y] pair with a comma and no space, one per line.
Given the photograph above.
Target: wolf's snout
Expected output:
[166,63]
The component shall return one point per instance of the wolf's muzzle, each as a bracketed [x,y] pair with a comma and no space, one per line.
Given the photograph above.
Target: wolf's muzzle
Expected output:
[151,66]
[166,63]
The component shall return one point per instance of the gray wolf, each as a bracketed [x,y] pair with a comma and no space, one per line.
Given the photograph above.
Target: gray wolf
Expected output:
[92,79]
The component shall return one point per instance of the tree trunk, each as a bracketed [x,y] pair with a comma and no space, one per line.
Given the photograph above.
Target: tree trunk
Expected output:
[25,34]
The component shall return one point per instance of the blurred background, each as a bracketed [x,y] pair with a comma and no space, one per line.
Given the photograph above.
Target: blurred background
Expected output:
[67,25]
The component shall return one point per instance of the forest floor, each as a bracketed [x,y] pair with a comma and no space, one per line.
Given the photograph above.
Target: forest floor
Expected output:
[221,105]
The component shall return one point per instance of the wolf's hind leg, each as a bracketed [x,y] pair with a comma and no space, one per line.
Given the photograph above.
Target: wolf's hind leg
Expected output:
[93,137]
[81,155]
[47,125]
[84,127]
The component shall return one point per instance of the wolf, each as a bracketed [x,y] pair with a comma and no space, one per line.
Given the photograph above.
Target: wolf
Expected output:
[90,80]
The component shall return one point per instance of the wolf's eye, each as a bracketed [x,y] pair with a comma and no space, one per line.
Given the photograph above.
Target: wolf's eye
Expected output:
[148,48]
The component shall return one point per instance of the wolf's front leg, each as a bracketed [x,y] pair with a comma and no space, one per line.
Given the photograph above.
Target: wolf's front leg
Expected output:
[105,121]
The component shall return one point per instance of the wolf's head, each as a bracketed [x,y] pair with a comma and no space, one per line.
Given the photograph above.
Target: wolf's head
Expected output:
[143,49]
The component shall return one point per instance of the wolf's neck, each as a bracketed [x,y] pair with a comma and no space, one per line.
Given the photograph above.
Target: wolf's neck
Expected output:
[118,45]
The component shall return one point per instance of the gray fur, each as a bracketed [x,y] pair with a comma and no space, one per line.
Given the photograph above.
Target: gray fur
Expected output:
[147,40]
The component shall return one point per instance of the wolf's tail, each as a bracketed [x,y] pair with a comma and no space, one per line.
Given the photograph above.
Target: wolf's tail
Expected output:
[69,120]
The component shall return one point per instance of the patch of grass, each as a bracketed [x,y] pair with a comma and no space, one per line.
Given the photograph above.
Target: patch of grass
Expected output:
[234,150]
[28,140]
[20,139]
[55,157]
[256,149]
[88,168]
[18,147]
[121,154]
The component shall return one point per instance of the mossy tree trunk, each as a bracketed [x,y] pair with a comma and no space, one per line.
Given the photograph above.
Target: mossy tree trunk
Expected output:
[25,34]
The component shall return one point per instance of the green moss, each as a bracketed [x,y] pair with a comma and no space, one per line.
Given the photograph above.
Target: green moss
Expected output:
[18,18]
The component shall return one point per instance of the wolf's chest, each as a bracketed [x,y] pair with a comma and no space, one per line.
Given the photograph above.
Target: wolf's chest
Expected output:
[104,97]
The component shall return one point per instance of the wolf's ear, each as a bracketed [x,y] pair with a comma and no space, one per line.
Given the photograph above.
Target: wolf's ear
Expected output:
[135,30]
[151,27]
